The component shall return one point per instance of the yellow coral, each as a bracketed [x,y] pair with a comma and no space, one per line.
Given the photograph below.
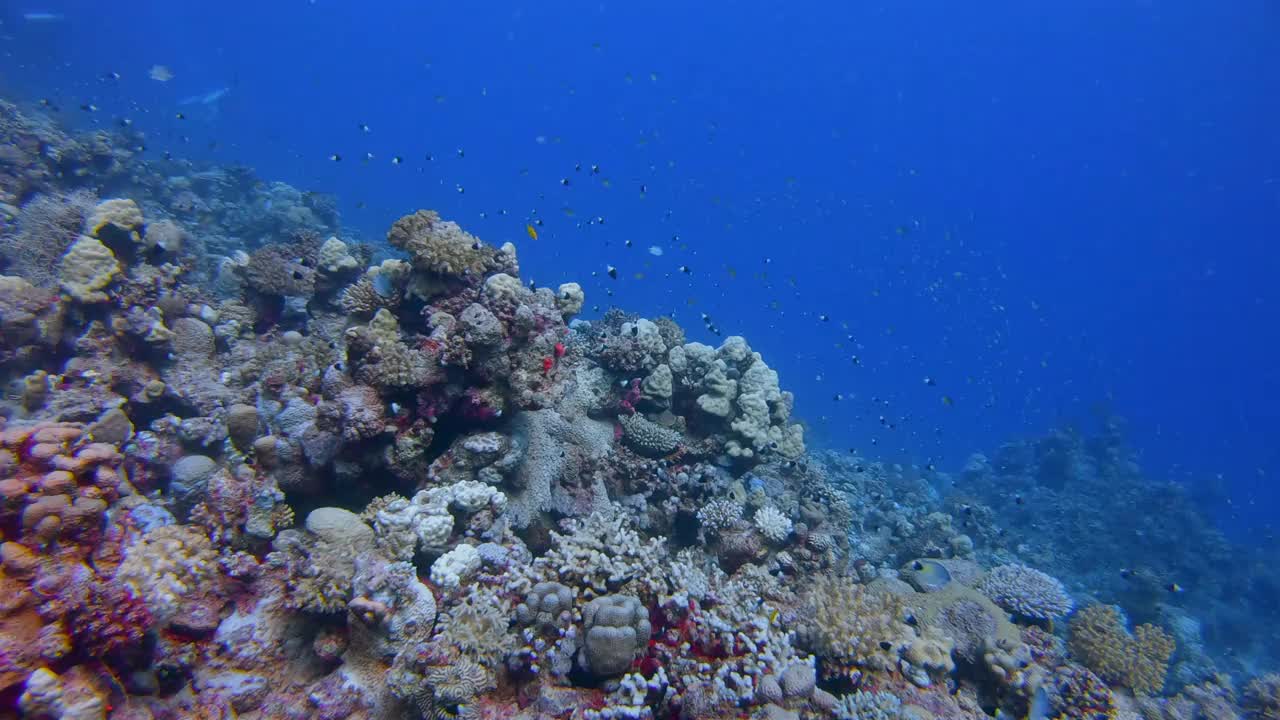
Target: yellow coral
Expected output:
[119,217]
[1138,661]
[87,268]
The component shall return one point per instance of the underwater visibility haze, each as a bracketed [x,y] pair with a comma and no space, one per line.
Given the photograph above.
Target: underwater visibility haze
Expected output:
[654,360]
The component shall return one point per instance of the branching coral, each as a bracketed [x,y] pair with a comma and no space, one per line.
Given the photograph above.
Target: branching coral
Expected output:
[1026,591]
[854,627]
[604,553]
[167,565]
[1262,697]
[1138,661]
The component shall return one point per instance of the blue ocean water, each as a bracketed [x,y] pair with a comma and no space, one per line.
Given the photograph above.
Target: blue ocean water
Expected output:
[1010,214]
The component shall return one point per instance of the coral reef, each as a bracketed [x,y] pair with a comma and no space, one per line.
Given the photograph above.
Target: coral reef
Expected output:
[506,513]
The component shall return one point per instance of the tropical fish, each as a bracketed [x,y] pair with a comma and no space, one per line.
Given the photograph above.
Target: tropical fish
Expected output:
[532,231]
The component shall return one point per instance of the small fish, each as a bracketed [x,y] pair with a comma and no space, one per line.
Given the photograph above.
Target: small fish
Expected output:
[179,116]
[626,243]
[1175,588]
[111,76]
[644,189]
[927,381]
[655,250]
[685,269]
[335,157]
[461,189]
[613,271]
[397,160]
[564,182]
[89,107]
[946,400]
[595,169]
[1126,574]
[531,231]
[462,153]
[368,156]
[160,73]
[824,317]
[364,128]
[838,397]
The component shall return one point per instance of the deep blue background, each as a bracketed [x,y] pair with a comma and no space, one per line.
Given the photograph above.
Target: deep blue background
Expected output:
[1042,206]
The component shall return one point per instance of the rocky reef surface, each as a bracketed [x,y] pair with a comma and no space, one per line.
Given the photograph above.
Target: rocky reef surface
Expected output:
[247,472]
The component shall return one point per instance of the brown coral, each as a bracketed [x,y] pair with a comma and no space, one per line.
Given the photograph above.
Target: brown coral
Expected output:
[1138,661]
[443,248]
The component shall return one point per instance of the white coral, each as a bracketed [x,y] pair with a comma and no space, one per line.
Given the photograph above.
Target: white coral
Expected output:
[451,568]
[772,523]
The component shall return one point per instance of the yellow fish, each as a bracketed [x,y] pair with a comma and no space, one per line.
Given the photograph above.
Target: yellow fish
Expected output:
[533,232]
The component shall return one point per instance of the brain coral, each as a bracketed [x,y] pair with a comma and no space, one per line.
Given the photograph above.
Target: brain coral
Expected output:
[1026,591]
[617,629]
[1138,661]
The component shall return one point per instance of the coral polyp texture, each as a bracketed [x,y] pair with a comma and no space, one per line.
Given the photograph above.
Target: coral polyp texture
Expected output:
[247,471]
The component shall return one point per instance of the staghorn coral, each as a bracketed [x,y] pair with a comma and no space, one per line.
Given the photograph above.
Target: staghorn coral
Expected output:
[1138,661]
[1026,591]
